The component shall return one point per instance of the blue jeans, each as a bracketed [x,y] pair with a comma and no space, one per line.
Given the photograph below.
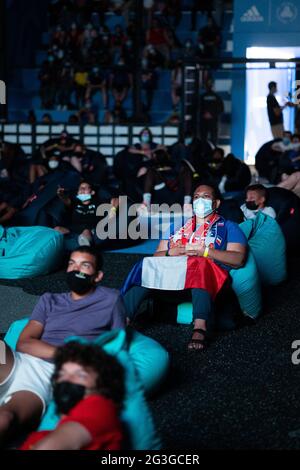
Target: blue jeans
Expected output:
[202,302]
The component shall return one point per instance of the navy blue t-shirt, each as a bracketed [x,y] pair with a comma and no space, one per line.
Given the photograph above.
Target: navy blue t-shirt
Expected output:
[220,234]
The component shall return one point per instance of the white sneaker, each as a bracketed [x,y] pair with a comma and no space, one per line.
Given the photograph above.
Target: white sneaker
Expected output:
[83,241]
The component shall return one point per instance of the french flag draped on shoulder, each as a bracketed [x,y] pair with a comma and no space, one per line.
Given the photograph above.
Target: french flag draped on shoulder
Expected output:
[176,273]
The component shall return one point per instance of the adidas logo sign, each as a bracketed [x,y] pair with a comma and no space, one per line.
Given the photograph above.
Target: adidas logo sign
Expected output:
[252,15]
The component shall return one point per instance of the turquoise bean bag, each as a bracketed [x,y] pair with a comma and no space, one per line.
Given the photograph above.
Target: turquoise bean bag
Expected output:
[246,285]
[268,247]
[145,363]
[29,251]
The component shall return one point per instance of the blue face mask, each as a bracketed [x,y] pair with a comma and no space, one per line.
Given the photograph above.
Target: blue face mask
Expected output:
[202,207]
[286,141]
[188,140]
[145,138]
[84,197]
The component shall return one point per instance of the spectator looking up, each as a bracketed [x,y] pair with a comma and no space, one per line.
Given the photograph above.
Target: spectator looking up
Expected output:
[210,38]
[83,213]
[204,235]
[25,396]
[256,198]
[88,390]
[120,81]
[211,108]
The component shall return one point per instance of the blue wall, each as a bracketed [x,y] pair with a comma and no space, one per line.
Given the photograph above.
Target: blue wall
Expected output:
[272,23]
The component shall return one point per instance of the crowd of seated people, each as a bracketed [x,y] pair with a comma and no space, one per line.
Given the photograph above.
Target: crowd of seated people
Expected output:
[86,57]
[146,172]
[61,186]
[36,189]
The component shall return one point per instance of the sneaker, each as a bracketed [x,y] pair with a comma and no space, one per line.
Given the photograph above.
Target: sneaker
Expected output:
[83,241]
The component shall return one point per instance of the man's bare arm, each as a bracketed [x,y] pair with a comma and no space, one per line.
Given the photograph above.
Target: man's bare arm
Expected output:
[30,343]
[68,436]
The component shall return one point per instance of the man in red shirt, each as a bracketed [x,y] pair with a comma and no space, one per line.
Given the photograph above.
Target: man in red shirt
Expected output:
[88,391]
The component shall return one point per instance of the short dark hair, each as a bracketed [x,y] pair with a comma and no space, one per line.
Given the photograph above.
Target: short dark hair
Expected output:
[146,129]
[215,189]
[219,150]
[272,85]
[93,252]
[111,377]
[162,157]
[259,188]
[85,181]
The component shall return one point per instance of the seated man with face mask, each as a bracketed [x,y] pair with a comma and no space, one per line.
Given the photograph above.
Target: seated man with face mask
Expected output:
[256,197]
[86,311]
[207,247]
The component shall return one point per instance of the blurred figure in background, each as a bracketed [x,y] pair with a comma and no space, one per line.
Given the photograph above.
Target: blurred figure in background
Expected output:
[275,112]
[211,108]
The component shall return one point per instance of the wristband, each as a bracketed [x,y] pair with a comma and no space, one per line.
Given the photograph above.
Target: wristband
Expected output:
[113,209]
[205,254]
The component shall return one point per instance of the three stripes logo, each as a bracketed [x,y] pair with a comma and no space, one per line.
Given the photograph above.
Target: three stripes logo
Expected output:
[252,16]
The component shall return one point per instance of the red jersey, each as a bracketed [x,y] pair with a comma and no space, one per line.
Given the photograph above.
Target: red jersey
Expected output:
[98,415]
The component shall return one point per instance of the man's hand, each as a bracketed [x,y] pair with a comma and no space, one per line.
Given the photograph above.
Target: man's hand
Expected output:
[63,196]
[115,202]
[61,193]
[142,171]
[194,249]
[177,251]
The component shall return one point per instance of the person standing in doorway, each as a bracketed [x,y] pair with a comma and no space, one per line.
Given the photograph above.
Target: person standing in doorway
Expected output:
[275,112]
[211,107]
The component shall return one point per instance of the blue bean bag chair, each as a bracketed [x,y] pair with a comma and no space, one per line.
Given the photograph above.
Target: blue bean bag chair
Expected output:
[145,363]
[246,285]
[268,246]
[29,251]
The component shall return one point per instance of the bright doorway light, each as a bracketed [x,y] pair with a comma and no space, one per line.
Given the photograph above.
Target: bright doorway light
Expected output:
[258,75]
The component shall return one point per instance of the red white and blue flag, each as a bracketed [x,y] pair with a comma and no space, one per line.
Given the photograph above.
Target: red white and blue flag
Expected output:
[176,273]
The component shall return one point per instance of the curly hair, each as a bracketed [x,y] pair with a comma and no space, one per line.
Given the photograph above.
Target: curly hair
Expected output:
[110,380]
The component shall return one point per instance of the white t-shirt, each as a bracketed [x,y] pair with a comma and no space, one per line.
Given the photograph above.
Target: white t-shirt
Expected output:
[248,214]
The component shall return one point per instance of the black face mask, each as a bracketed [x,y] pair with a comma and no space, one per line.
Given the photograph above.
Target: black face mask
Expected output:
[251,205]
[66,395]
[79,282]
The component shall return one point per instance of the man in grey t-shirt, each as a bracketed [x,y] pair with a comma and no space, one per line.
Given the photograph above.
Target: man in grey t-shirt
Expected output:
[85,311]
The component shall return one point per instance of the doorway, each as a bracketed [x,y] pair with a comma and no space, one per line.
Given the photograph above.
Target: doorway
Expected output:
[258,75]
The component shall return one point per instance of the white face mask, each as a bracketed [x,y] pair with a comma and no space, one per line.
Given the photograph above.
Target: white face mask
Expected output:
[202,207]
[84,197]
[53,164]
